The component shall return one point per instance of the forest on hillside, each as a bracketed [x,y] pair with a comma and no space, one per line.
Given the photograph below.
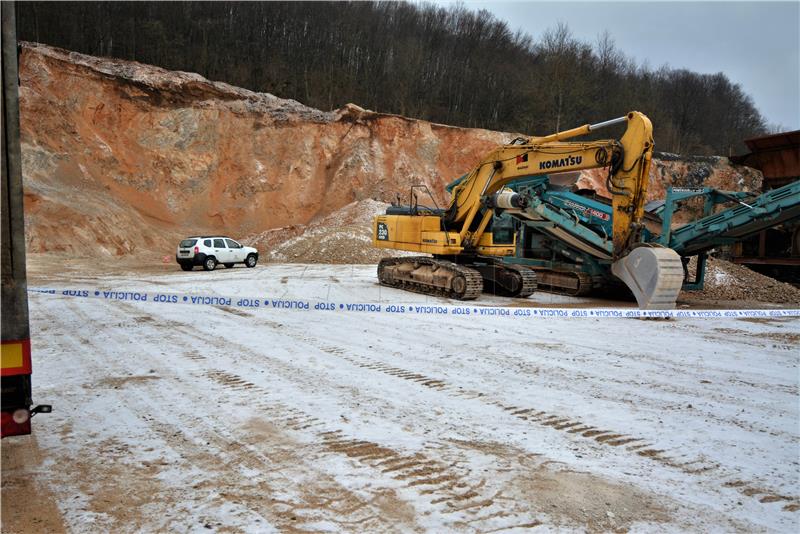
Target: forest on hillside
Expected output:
[449,64]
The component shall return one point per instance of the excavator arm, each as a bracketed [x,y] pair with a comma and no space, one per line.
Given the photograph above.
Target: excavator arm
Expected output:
[628,159]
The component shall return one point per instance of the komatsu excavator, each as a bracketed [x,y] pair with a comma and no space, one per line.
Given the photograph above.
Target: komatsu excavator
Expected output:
[466,255]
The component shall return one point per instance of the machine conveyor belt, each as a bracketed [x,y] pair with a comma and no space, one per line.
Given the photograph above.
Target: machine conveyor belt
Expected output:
[768,210]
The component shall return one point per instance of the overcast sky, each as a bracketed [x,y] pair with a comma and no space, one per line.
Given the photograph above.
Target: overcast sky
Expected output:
[756,44]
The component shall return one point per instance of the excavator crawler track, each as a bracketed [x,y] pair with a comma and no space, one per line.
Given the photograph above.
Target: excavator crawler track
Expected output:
[431,276]
[573,284]
[529,281]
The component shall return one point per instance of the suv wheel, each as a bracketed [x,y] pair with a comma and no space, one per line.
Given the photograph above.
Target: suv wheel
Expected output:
[186,266]
[251,260]
[210,264]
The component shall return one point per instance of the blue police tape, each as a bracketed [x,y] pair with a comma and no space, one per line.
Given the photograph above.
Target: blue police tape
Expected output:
[282,303]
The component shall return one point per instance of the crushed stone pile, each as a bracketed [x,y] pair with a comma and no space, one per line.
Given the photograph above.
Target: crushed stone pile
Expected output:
[344,236]
[728,281]
[270,239]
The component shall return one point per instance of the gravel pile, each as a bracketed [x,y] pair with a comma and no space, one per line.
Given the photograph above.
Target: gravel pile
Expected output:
[348,244]
[729,281]
[344,236]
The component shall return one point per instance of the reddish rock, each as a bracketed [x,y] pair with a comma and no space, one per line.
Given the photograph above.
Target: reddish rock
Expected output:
[134,157]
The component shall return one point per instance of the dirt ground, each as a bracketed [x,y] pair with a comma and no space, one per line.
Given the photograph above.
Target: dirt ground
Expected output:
[234,419]
[27,505]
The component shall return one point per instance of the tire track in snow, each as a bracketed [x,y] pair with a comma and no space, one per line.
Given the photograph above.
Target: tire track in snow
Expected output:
[543,418]
[221,452]
[695,466]
[574,426]
[443,484]
[635,445]
[446,486]
[565,424]
[612,388]
[450,489]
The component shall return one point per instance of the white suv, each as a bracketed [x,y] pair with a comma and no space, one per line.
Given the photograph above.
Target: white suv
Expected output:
[209,251]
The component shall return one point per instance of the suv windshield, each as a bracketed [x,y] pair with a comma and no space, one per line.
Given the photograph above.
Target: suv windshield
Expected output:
[188,243]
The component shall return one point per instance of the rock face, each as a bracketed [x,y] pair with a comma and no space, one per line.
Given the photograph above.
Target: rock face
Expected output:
[133,157]
[125,158]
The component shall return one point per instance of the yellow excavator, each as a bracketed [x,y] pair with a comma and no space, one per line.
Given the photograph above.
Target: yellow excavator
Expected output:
[466,259]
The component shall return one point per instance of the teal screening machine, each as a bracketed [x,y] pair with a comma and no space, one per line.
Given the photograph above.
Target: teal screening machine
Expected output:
[578,261]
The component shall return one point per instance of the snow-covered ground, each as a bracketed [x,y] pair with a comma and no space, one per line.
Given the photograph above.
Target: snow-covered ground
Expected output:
[179,417]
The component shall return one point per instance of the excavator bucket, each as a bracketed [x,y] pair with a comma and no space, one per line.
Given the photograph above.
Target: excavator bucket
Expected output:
[653,274]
